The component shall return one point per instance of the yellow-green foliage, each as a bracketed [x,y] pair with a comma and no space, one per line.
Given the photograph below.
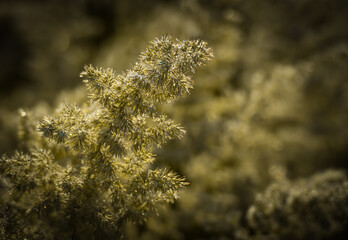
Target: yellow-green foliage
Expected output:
[91,173]
[265,122]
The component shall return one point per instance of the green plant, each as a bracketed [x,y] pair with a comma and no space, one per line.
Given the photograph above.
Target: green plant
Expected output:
[91,173]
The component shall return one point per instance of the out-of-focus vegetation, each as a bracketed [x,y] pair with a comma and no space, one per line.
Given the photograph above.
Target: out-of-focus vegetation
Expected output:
[266,145]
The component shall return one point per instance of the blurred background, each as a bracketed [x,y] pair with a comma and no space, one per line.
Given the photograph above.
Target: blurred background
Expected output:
[267,139]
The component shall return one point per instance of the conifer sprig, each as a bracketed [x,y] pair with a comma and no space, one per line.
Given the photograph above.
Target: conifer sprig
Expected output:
[93,174]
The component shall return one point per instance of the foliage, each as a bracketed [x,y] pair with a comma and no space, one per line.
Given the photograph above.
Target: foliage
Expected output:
[266,120]
[91,173]
[311,208]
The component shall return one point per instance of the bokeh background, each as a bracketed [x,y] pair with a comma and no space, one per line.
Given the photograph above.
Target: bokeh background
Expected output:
[267,139]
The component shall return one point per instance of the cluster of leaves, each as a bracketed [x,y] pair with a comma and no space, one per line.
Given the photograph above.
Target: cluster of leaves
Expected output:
[91,173]
[303,209]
